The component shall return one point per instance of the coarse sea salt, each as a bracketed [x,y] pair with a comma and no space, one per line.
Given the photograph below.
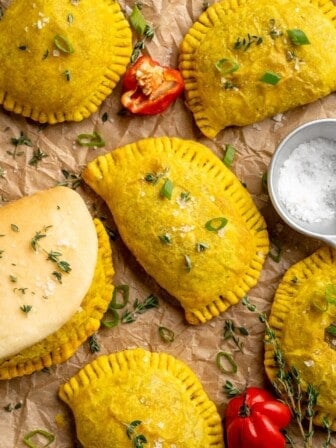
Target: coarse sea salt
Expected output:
[307,181]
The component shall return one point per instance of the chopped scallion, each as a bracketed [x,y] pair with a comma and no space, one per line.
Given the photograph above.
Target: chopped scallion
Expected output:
[270,78]
[90,140]
[137,20]
[113,322]
[229,155]
[167,189]
[216,224]
[226,66]
[27,440]
[166,334]
[221,358]
[298,37]
[63,44]
[123,292]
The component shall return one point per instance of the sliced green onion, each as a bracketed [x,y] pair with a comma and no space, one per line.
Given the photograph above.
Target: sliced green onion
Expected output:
[221,356]
[47,435]
[166,334]
[270,78]
[137,20]
[229,155]
[120,290]
[320,303]
[90,140]
[298,37]
[330,294]
[276,250]
[63,44]
[111,323]
[331,329]
[216,224]
[67,75]
[226,66]
[167,189]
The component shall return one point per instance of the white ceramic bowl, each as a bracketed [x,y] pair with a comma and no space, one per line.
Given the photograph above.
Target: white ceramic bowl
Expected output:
[326,128]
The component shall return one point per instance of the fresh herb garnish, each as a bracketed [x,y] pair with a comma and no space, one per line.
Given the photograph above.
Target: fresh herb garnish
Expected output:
[139,308]
[274,30]
[230,333]
[48,436]
[289,386]
[270,78]
[142,28]
[245,42]
[61,264]
[137,439]
[225,358]
[230,390]
[226,66]
[201,247]
[72,180]
[165,238]
[38,236]
[298,37]
[216,224]
[10,407]
[167,189]
[26,308]
[276,250]
[104,117]
[153,178]
[22,140]
[37,157]
[67,75]
[119,291]
[188,263]
[91,140]
[166,334]
[70,19]
[22,47]
[229,155]
[15,228]
[94,344]
[63,44]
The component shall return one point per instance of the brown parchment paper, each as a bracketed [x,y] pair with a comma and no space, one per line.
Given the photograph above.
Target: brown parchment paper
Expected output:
[197,346]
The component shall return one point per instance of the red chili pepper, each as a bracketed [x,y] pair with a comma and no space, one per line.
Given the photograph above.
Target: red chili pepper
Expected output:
[254,419]
[150,88]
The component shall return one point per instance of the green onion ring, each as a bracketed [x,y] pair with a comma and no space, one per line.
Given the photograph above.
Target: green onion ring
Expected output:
[230,360]
[48,435]
[90,140]
[216,224]
[166,334]
[123,291]
[63,44]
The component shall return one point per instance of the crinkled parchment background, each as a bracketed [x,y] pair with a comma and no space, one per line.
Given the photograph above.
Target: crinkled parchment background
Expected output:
[197,346]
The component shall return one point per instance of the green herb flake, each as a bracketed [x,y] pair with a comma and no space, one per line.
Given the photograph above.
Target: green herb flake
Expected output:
[153,178]
[25,308]
[230,390]
[137,439]
[167,189]
[225,358]
[229,155]
[22,47]
[166,334]
[187,263]
[216,224]
[13,278]
[38,156]
[72,180]
[15,228]
[70,19]
[67,75]
[270,78]
[298,37]
[94,344]
[331,329]
[165,238]
[245,43]
[45,54]
[137,20]
[63,44]
[104,117]
[226,66]
[90,140]
[120,292]
[48,436]
[276,250]
[201,247]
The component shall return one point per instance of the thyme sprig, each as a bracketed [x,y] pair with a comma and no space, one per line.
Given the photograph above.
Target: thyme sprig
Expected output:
[288,385]
[139,308]
[142,28]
